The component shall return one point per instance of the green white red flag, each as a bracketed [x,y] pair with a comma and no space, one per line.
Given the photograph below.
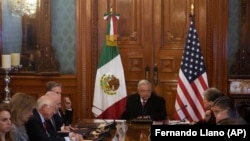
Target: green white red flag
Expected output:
[110,88]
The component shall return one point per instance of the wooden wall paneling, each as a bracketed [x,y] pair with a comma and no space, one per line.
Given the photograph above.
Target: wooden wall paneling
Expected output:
[91,51]
[169,42]
[80,63]
[35,86]
[87,40]
[217,43]
[134,42]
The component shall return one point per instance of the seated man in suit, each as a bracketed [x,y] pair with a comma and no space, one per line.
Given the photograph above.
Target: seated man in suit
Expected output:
[145,104]
[54,121]
[63,119]
[209,96]
[226,113]
[38,128]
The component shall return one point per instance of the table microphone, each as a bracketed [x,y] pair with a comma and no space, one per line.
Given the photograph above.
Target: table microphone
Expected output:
[98,108]
[181,108]
[108,124]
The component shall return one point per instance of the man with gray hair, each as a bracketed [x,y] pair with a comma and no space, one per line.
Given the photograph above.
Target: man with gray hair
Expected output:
[145,104]
[36,126]
[63,118]
[39,127]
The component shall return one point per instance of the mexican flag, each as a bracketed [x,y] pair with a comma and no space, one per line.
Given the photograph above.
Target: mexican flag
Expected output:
[110,88]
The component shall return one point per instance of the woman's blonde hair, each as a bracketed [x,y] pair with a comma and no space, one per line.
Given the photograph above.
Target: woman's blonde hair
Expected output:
[19,104]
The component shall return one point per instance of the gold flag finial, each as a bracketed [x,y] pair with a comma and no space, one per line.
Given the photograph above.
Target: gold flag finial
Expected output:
[110,8]
[192,9]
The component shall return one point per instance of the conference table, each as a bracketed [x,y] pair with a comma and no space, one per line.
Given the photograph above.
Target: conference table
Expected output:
[116,130]
[107,130]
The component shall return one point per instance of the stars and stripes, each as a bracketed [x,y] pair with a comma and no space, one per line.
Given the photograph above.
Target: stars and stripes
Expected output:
[192,80]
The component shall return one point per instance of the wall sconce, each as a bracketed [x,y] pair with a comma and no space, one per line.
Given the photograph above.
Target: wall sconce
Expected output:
[22,7]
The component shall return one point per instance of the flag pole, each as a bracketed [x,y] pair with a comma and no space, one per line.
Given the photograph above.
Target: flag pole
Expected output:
[110,8]
[192,10]
[189,83]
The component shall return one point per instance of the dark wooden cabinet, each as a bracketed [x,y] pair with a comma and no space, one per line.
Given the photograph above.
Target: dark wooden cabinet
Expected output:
[242,103]
[239,90]
[241,98]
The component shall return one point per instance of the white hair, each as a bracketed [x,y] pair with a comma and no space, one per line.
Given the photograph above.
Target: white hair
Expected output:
[144,82]
[43,100]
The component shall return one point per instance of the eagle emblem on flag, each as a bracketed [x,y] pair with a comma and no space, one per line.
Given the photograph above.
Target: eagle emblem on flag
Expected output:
[109,84]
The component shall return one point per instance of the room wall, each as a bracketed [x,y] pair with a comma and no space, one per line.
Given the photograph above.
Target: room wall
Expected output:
[63,15]
[233,31]
[62,30]
[12,30]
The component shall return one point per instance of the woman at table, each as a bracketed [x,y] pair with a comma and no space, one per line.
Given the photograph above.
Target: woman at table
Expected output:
[5,124]
[21,106]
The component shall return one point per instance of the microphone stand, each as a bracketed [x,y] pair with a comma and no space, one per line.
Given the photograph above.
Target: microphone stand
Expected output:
[111,126]
[181,108]
[108,125]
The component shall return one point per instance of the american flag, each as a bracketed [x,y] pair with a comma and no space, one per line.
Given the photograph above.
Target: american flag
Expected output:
[192,80]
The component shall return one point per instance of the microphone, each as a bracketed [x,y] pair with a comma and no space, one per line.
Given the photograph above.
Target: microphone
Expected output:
[181,108]
[108,124]
[98,108]
[184,119]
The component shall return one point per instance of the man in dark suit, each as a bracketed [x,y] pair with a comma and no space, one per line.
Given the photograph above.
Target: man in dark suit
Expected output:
[145,104]
[62,120]
[37,128]
[225,112]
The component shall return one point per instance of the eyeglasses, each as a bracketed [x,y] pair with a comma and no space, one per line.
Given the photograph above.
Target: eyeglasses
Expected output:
[219,111]
[51,106]
[57,92]
[144,90]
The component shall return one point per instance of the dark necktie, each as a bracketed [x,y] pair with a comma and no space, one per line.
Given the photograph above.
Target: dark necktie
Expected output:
[45,127]
[143,103]
[53,123]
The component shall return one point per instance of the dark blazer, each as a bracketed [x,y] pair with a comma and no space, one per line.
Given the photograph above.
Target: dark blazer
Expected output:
[63,118]
[155,107]
[37,132]
[211,121]
[68,117]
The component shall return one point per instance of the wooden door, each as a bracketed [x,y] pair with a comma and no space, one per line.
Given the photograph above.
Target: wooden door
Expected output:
[152,35]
